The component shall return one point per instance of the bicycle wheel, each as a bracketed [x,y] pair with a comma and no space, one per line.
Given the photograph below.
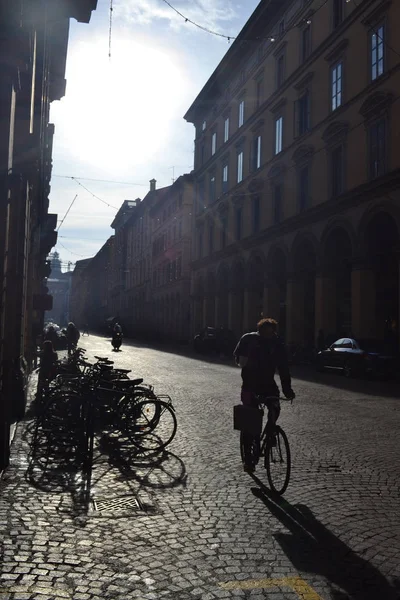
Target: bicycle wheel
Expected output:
[278,462]
[153,425]
[249,451]
[130,417]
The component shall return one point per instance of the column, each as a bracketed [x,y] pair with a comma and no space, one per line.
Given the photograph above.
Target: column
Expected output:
[246,306]
[217,306]
[363,301]
[325,304]
[271,300]
[231,311]
[295,312]
[204,315]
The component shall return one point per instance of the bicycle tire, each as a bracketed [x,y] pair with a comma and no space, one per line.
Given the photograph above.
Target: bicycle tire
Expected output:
[128,409]
[152,439]
[270,453]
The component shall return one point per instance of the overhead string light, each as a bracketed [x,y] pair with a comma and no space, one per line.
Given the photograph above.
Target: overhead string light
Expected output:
[110,29]
[230,38]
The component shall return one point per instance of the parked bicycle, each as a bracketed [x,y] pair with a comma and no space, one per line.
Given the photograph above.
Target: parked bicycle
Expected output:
[89,399]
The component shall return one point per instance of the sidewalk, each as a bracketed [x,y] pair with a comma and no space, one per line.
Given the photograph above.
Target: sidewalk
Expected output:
[54,548]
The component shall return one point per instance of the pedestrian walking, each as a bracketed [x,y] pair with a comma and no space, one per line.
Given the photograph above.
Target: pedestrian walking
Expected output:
[73,336]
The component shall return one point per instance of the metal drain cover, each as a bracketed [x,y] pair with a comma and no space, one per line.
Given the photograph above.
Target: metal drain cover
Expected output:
[117,505]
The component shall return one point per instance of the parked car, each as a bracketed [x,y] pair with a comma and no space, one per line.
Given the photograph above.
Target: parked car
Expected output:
[358,357]
[211,339]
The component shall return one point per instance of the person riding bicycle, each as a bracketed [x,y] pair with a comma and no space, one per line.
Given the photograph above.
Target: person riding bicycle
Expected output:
[73,336]
[260,354]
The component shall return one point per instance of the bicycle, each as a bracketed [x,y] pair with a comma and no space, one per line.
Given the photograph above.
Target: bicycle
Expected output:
[273,448]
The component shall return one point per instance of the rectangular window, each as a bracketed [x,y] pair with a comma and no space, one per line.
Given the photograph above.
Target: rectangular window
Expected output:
[255,156]
[377,52]
[204,125]
[226,129]
[241,113]
[377,148]
[337,168]
[278,135]
[213,143]
[336,85]
[238,223]
[225,179]
[277,208]
[259,92]
[240,166]
[306,43]
[280,70]
[303,188]
[338,12]
[211,238]
[212,193]
[256,215]
[302,107]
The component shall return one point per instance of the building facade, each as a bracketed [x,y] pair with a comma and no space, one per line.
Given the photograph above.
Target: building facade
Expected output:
[171,233]
[79,297]
[59,286]
[138,318]
[33,49]
[297,173]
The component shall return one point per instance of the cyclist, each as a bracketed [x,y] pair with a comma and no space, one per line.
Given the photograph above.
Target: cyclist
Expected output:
[260,354]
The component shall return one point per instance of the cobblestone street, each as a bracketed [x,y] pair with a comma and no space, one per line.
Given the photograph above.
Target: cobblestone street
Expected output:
[204,528]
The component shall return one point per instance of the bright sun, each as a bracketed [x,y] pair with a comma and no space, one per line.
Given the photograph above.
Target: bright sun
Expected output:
[118,112]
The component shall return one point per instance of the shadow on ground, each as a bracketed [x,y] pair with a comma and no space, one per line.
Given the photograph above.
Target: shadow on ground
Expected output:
[313,549]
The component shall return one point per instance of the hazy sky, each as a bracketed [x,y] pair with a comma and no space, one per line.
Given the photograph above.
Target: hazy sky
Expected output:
[122,118]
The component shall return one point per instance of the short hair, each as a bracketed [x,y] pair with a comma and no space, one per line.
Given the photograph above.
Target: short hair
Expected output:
[267,322]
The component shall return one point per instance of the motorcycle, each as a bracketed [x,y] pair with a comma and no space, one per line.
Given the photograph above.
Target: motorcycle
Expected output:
[116,341]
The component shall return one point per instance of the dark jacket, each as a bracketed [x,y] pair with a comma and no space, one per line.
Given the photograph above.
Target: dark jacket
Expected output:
[264,357]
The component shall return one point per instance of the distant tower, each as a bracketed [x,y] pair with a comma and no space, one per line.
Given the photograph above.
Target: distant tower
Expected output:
[55,264]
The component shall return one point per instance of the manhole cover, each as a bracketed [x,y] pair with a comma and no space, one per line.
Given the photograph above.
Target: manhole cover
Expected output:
[117,505]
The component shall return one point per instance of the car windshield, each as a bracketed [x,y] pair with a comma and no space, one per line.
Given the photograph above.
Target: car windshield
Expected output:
[372,345]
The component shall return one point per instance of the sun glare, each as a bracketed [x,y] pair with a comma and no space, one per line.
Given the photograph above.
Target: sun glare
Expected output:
[119,112]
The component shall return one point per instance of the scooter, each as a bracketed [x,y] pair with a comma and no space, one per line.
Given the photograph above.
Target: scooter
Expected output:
[116,341]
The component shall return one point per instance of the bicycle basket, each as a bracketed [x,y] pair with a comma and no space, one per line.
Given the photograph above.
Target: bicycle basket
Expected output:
[247,419]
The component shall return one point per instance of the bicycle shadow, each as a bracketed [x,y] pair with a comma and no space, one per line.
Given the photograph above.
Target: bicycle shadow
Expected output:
[163,470]
[313,549]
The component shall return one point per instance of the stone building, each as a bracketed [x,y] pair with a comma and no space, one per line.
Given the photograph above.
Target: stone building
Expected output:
[59,286]
[99,275]
[137,309]
[297,173]
[119,256]
[171,232]
[81,283]
[33,51]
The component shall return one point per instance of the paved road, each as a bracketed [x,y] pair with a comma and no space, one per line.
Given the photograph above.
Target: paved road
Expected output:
[208,530]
